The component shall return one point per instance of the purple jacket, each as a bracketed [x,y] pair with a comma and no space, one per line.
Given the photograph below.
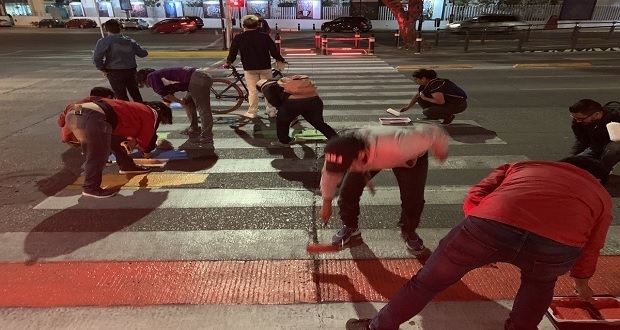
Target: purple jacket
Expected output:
[170,80]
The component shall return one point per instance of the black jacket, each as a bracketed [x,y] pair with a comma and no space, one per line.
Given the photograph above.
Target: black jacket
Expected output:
[594,136]
[257,49]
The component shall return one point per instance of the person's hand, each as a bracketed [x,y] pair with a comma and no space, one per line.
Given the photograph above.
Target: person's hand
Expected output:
[326,210]
[583,289]
[403,109]
[105,74]
[226,65]
[132,143]
[146,155]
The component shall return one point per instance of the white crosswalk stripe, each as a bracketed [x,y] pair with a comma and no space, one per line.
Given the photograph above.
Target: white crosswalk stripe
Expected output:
[356,93]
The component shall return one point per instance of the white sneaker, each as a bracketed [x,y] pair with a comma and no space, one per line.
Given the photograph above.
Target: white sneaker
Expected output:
[249,115]
[271,114]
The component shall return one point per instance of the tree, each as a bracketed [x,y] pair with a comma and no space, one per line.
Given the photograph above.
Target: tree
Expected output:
[406,18]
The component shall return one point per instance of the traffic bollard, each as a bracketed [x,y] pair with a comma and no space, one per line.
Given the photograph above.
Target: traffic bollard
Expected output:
[313,27]
[276,26]
[522,37]
[574,36]
[418,43]
[357,40]
[396,38]
[298,27]
[371,44]
[317,40]
[483,37]
[324,45]
[611,31]
[279,43]
[466,41]
[437,38]
[528,33]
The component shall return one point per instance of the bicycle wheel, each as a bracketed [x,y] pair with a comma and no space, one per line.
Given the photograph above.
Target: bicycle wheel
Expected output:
[226,96]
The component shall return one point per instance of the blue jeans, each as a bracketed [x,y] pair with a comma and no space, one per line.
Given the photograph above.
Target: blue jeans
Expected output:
[474,243]
[94,133]
[609,156]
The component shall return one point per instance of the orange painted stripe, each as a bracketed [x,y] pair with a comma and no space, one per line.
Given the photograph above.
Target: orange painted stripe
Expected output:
[251,282]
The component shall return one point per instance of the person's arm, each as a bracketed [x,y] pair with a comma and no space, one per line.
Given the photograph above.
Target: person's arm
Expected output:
[154,80]
[481,190]
[413,101]
[580,139]
[436,98]
[101,49]
[232,52]
[329,183]
[173,98]
[585,266]
[273,50]
[139,51]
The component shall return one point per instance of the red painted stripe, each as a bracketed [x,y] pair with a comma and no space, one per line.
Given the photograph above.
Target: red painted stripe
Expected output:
[251,282]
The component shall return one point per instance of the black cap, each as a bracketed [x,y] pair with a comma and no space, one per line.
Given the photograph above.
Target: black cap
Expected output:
[340,153]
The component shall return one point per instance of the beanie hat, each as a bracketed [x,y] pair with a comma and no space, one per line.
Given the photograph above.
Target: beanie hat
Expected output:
[340,153]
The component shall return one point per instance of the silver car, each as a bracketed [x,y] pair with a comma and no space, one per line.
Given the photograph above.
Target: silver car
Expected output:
[134,23]
[5,23]
[488,23]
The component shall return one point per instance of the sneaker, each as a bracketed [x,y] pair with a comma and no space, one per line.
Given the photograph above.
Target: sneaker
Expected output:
[190,131]
[281,145]
[101,193]
[344,235]
[361,324]
[249,115]
[448,120]
[413,242]
[271,114]
[205,140]
[136,169]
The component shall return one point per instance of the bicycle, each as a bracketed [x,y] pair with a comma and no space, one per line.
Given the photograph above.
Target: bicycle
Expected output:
[227,96]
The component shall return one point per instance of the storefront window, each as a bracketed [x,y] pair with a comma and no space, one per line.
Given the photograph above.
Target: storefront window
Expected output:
[18,8]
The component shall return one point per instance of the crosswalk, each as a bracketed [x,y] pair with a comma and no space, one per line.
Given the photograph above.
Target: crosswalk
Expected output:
[246,172]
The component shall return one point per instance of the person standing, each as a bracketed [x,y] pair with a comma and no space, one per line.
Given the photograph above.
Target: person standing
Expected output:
[546,218]
[360,154]
[256,49]
[94,124]
[592,139]
[440,98]
[263,26]
[197,100]
[115,56]
[294,96]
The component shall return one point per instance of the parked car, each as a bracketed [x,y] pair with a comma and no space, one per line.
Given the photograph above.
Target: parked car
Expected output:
[81,23]
[5,23]
[197,20]
[134,23]
[174,25]
[50,23]
[489,23]
[348,23]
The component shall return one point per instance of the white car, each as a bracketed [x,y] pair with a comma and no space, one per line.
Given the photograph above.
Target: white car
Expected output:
[488,23]
[134,23]
[5,23]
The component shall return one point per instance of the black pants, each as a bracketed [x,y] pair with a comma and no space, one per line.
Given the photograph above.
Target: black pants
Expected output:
[123,81]
[441,111]
[411,182]
[312,111]
[123,160]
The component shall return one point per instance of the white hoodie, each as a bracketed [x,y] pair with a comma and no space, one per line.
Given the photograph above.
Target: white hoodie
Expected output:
[390,147]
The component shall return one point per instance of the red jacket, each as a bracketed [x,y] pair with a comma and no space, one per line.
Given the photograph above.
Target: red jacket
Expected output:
[65,133]
[552,199]
[134,120]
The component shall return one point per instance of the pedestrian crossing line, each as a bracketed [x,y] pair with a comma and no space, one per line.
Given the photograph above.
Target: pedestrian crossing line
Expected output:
[149,180]
[141,283]
[193,198]
[258,244]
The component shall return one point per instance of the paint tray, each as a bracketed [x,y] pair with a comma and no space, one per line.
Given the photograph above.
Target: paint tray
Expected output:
[307,134]
[570,313]
[151,162]
[395,121]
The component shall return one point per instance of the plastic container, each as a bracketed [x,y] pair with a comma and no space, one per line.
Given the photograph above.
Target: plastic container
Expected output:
[570,313]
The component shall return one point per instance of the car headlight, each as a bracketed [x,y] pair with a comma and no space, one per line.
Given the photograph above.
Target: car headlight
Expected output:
[454,25]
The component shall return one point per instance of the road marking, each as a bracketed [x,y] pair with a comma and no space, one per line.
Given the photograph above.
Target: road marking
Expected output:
[148,180]
[550,65]
[434,66]
[188,54]
[197,198]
